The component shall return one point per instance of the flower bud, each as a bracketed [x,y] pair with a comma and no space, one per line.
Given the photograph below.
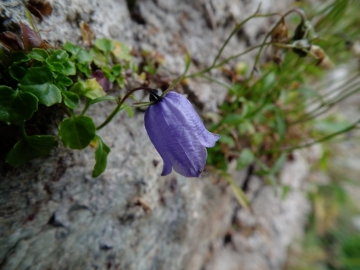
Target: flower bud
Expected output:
[301,47]
[280,33]
[155,95]
[324,60]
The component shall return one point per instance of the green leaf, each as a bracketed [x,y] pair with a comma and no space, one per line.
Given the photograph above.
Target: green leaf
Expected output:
[17,72]
[38,75]
[84,57]
[69,68]
[245,159]
[128,109]
[264,169]
[98,56]
[233,119]
[90,88]
[78,53]
[269,82]
[226,139]
[29,148]
[16,106]
[19,57]
[63,80]
[120,81]
[239,193]
[77,132]
[57,56]
[246,127]
[278,164]
[77,88]
[187,62]
[103,98]
[101,154]
[39,81]
[116,70]
[71,99]
[108,73]
[84,68]
[61,87]
[105,45]
[56,67]
[150,68]
[38,54]
[71,48]
[121,51]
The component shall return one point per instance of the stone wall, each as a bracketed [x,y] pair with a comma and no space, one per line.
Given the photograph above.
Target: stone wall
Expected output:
[53,215]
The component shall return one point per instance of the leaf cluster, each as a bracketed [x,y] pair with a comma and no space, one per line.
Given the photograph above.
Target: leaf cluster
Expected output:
[40,76]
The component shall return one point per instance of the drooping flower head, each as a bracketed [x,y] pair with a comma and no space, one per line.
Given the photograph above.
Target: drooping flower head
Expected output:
[178,134]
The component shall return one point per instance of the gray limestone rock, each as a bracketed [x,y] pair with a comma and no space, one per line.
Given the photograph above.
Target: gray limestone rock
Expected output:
[54,215]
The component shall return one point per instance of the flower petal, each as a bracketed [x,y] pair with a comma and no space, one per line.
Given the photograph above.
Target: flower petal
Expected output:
[190,119]
[167,129]
[157,137]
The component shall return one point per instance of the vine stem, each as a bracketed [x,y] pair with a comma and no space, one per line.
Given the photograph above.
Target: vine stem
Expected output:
[323,139]
[257,58]
[234,31]
[120,103]
[327,106]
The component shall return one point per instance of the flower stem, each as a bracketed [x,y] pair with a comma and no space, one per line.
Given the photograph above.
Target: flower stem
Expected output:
[296,10]
[120,103]
[86,107]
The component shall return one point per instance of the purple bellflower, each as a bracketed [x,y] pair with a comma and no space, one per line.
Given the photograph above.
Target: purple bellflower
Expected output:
[178,134]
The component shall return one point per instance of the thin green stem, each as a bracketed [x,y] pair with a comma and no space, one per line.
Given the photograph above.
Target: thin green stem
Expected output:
[323,139]
[234,31]
[172,85]
[302,15]
[199,73]
[245,52]
[238,192]
[86,107]
[120,103]
[327,106]
[211,79]
[304,102]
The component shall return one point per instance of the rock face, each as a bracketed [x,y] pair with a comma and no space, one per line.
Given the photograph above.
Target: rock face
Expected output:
[53,215]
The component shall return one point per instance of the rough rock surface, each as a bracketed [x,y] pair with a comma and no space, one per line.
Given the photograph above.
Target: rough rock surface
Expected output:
[53,215]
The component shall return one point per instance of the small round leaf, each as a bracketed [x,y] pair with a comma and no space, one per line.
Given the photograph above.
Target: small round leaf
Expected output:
[77,132]
[29,148]
[16,106]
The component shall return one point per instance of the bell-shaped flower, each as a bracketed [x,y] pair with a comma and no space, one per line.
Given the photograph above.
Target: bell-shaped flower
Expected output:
[179,135]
